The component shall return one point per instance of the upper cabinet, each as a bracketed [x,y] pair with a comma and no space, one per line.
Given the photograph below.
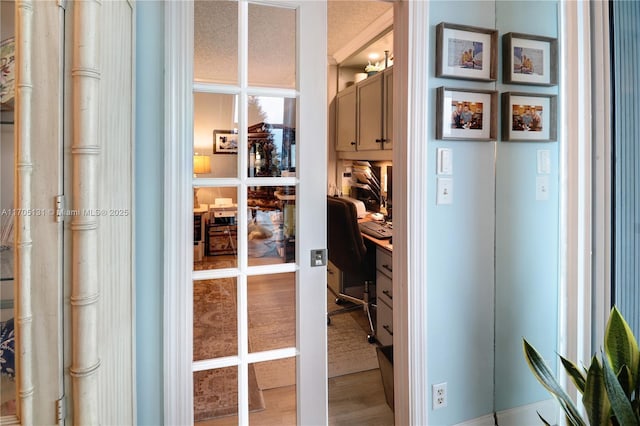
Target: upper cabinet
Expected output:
[346,107]
[365,114]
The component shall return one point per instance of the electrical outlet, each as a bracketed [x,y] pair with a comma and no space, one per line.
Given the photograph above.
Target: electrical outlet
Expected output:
[439,395]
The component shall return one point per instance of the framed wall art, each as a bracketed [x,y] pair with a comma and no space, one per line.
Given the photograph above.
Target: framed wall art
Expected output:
[465,114]
[225,142]
[529,59]
[529,117]
[466,52]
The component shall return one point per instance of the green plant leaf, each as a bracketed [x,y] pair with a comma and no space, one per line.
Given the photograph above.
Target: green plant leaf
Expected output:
[595,398]
[577,377]
[542,419]
[621,346]
[620,404]
[544,375]
[625,380]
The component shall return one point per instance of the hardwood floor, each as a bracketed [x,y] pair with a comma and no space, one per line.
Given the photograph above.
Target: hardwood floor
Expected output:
[354,399]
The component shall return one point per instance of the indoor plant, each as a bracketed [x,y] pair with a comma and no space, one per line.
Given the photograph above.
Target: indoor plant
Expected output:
[610,387]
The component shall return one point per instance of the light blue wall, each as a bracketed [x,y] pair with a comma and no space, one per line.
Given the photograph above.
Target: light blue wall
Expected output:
[527,233]
[149,218]
[493,253]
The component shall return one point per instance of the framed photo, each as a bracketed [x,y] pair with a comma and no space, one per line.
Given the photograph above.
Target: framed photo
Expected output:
[529,117]
[529,59]
[225,142]
[466,52]
[464,114]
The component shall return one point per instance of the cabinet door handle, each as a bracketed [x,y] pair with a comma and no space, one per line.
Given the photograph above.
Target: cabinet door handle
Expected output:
[387,293]
[386,327]
[387,267]
[379,140]
[353,143]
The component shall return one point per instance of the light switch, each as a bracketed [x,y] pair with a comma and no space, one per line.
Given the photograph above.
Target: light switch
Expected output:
[444,191]
[444,161]
[544,162]
[542,188]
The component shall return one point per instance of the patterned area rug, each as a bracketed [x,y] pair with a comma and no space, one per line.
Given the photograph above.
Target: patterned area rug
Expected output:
[215,392]
[271,325]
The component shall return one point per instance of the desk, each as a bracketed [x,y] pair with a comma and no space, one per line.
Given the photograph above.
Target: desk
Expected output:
[385,244]
[384,286]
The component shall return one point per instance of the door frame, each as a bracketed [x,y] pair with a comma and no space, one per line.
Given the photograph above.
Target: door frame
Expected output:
[311,365]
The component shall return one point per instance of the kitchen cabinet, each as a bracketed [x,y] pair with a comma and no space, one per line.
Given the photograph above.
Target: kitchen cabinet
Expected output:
[365,114]
[346,108]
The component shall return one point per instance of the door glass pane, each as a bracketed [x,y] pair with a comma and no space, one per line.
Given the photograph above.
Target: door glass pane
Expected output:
[215,232]
[276,389]
[215,44]
[272,225]
[272,311]
[215,318]
[272,46]
[215,138]
[272,136]
[215,396]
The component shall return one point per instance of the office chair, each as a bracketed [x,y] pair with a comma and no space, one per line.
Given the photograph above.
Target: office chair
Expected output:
[349,253]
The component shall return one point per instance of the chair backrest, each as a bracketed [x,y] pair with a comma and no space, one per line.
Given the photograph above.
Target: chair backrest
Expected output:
[346,247]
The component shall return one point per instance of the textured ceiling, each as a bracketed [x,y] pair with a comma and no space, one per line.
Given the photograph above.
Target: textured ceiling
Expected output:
[346,19]
[271,38]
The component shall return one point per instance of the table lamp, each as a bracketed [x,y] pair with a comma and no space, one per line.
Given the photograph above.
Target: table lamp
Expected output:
[201,165]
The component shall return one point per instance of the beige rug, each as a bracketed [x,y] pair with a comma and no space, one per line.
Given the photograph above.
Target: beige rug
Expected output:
[348,349]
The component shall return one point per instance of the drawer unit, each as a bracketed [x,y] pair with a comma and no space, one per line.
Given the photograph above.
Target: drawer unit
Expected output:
[384,262]
[384,327]
[384,296]
[384,289]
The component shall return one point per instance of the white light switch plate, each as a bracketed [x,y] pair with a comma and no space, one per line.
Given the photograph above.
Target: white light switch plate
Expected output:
[444,191]
[444,160]
[544,162]
[542,188]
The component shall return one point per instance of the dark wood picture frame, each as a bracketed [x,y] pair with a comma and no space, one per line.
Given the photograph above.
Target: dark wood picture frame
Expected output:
[539,125]
[452,103]
[223,142]
[451,52]
[542,68]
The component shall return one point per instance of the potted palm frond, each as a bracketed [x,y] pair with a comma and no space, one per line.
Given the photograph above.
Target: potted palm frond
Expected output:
[610,387]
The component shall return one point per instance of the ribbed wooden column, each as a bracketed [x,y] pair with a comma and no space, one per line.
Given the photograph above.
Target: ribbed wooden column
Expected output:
[22,224]
[85,151]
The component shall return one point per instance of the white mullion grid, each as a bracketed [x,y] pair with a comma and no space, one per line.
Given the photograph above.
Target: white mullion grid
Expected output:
[216,182]
[214,363]
[243,320]
[215,88]
[278,268]
[272,181]
[272,92]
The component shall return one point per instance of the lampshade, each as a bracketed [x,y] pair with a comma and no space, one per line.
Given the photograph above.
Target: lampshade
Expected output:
[201,164]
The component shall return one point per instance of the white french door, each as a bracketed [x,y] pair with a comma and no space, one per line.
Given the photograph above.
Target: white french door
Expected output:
[245,208]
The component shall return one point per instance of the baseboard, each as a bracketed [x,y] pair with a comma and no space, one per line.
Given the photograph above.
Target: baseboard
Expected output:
[528,414]
[480,421]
